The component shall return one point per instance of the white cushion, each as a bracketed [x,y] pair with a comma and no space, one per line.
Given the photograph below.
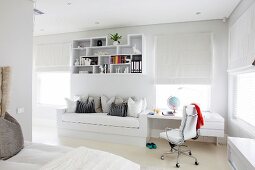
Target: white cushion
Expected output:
[71,105]
[101,119]
[134,107]
[106,103]
[81,98]
[174,136]
[118,100]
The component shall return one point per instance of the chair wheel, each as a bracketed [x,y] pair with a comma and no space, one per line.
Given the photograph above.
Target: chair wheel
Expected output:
[162,157]
[196,163]
[177,165]
[190,153]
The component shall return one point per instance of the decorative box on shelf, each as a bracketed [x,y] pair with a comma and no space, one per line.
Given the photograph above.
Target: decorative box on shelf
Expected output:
[97,56]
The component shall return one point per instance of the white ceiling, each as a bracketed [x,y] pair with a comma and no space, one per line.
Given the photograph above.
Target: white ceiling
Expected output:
[82,15]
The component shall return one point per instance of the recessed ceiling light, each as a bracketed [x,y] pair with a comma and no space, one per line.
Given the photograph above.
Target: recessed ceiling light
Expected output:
[97,23]
[198,13]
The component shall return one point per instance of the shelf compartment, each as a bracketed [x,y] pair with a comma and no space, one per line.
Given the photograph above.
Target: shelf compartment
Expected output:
[120,68]
[125,50]
[119,59]
[94,60]
[136,64]
[77,54]
[104,60]
[98,51]
[79,48]
[83,70]
[81,43]
[121,64]
[102,69]
[136,41]
[85,66]
[95,42]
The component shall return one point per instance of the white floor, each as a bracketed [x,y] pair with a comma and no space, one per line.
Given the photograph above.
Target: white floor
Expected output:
[210,156]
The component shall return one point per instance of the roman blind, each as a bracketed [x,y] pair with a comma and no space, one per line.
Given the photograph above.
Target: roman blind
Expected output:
[244,101]
[184,59]
[52,56]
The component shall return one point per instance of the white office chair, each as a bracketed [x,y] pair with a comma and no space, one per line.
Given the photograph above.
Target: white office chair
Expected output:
[177,137]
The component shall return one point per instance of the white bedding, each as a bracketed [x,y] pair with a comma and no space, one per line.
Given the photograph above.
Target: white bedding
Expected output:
[36,156]
[89,159]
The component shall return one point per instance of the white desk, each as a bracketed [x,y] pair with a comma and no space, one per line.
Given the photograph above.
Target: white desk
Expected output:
[213,127]
[160,116]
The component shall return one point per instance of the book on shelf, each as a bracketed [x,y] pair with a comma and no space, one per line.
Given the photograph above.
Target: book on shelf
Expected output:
[136,66]
[118,59]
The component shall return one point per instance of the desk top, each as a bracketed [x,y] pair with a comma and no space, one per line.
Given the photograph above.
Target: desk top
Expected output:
[208,117]
[160,116]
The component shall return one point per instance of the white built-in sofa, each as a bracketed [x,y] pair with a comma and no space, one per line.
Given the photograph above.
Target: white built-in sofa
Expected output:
[100,126]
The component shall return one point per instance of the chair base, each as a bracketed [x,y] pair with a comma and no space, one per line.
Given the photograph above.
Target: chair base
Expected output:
[179,151]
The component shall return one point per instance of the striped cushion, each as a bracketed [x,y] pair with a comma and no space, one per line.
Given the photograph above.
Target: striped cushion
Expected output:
[85,107]
[118,110]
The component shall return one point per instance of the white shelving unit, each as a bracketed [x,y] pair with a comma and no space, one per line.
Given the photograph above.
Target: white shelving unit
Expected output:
[108,58]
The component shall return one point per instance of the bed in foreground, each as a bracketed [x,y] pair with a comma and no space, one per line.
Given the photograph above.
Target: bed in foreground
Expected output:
[45,157]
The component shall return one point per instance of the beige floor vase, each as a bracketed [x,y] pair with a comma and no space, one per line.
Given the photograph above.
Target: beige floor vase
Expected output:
[4,87]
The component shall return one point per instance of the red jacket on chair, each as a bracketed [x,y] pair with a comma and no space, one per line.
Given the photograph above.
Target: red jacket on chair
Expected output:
[200,119]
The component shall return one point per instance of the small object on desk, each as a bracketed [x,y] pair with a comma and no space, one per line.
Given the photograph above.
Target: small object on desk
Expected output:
[157,111]
[168,113]
[151,113]
[173,103]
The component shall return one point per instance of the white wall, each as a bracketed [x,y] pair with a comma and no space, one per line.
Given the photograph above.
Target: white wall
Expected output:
[237,22]
[16,32]
[143,85]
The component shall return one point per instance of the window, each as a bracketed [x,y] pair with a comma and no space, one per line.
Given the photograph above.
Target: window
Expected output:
[52,87]
[187,94]
[244,107]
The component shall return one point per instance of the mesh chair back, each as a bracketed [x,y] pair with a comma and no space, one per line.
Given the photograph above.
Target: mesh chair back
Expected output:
[189,122]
